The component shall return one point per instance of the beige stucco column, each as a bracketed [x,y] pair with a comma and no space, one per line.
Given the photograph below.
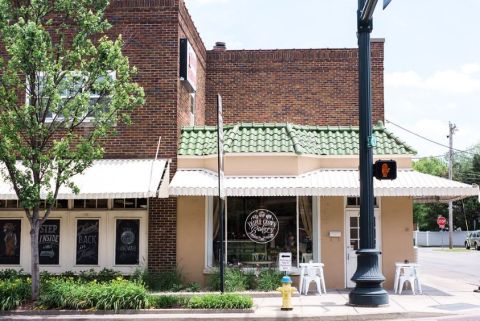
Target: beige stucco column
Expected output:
[397,237]
[332,217]
[191,237]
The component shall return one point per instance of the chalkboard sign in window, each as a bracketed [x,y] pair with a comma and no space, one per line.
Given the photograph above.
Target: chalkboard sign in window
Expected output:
[10,241]
[127,242]
[87,242]
[49,242]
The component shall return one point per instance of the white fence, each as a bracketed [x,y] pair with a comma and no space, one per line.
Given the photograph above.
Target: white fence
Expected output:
[438,238]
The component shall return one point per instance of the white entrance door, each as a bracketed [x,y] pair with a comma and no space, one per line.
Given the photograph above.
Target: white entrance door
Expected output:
[352,241]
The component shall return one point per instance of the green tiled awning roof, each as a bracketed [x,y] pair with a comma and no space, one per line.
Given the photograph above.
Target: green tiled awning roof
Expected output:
[287,138]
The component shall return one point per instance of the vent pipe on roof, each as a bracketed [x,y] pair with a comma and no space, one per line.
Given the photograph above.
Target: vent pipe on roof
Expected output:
[220,46]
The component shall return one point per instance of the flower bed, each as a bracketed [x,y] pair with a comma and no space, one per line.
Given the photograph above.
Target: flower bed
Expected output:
[80,293]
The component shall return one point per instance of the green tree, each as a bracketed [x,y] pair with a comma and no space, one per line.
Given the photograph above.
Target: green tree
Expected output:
[425,215]
[432,166]
[466,212]
[467,170]
[60,71]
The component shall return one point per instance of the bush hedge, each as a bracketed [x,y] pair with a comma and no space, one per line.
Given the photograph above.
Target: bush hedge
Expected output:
[238,280]
[220,301]
[14,292]
[269,280]
[171,280]
[97,290]
[73,294]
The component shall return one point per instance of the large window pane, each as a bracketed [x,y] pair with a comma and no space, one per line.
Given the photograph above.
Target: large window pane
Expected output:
[305,230]
[10,234]
[127,242]
[258,228]
[87,242]
[49,242]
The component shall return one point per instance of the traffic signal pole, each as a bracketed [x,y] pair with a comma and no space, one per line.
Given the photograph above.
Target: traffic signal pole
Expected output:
[368,277]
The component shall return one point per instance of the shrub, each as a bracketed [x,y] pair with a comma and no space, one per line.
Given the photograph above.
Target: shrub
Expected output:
[11,274]
[220,301]
[234,278]
[73,294]
[159,281]
[13,292]
[192,287]
[269,280]
[165,301]
[104,275]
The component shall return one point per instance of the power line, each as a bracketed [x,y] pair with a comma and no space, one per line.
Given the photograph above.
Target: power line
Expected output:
[437,156]
[430,140]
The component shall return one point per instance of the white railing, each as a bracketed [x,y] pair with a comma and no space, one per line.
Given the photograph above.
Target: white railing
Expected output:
[438,238]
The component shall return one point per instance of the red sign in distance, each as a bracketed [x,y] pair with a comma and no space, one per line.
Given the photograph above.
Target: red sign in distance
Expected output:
[441,221]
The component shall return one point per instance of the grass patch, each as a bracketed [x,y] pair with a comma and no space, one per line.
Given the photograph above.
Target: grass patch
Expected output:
[220,301]
[171,280]
[73,294]
[14,292]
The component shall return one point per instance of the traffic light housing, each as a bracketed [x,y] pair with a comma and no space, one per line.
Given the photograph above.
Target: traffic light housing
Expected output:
[385,169]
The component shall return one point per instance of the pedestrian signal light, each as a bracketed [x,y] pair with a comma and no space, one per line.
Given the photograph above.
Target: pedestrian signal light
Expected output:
[385,169]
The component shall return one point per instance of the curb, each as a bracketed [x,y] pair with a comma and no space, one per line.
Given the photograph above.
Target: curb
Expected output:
[217,317]
[127,312]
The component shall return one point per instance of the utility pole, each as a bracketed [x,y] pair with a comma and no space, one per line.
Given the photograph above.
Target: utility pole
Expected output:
[451,130]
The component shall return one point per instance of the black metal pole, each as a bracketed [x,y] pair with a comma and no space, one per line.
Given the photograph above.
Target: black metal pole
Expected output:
[368,277]
[221,208]
[221,197]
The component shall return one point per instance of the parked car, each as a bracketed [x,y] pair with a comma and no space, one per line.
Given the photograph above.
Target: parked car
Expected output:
[473,240]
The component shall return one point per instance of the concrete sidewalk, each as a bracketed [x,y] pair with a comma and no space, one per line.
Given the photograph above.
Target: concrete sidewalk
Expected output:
[441,299]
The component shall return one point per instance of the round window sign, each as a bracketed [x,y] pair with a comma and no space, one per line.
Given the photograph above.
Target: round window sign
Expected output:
[127,237]
[261,226]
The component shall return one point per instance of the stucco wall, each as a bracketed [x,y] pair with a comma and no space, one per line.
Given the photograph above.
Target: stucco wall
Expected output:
[332,215]
[397,240]
[191,238]
[280,164]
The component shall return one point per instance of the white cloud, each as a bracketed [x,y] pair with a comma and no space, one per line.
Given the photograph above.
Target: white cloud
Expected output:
[470,68]
[464,80]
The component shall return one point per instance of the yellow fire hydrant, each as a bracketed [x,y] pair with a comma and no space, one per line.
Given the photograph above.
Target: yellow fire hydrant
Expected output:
[287,290]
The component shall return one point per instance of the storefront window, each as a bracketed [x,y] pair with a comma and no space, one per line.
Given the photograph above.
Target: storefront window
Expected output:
[87,242]
[49,242]
[127,242]
[258,228]
[10,232]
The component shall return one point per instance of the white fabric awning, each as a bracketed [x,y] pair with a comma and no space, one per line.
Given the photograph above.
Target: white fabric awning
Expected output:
[328,182]
[114,178]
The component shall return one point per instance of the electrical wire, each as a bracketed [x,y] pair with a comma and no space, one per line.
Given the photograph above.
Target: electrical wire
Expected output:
[430,140]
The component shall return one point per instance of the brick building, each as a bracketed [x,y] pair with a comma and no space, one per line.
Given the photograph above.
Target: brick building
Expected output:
[292,151]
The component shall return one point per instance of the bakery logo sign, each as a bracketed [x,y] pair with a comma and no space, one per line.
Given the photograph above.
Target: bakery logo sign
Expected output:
[261,226]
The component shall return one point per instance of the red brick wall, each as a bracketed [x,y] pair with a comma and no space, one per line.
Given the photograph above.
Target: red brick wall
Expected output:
[304,86]
[151,30]
[188,30]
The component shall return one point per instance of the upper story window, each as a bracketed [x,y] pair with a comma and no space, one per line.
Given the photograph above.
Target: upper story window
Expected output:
[73,89]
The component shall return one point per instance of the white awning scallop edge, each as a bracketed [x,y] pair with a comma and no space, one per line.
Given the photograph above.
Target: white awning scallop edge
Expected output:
[114,178]
[325,182]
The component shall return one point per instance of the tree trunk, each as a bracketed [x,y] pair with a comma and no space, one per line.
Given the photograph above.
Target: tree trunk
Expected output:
[34,232]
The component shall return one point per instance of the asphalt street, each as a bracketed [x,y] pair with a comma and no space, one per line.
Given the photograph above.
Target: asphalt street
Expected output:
[458,264]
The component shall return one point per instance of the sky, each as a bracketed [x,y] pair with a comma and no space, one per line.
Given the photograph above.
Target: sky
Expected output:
[432,54]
